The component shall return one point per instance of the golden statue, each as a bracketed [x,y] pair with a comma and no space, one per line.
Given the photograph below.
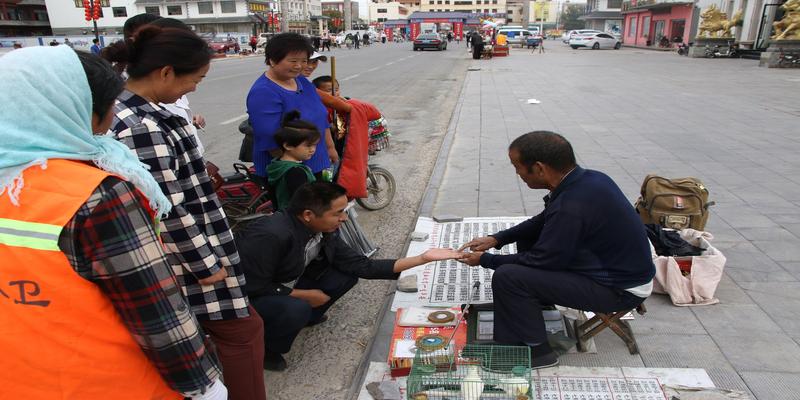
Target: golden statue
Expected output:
[788,28]
[715,22]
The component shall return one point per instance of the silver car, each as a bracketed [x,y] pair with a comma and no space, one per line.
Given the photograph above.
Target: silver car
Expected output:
[595,41]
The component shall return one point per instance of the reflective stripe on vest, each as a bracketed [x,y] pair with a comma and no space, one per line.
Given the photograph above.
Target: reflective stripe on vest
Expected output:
[32,235]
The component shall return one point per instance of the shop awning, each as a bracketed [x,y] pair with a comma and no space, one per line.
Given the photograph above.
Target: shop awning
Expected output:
[655,6]
[594,15]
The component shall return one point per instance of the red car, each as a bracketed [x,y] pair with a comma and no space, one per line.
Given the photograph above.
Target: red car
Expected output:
[224,45]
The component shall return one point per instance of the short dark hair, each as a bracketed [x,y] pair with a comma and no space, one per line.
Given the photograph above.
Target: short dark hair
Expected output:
[295,131]
[315,196]
[104,82]
[153,47]
[95,41]
[135,22]
[282,44]
[546,147]
[170,23]
[318,81]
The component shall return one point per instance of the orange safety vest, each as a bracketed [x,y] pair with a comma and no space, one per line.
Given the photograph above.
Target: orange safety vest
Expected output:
[60,337]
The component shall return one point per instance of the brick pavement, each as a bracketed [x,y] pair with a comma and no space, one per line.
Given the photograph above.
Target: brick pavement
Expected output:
[632,112]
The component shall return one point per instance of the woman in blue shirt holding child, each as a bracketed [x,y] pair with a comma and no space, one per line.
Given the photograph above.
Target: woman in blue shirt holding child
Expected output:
[282,89]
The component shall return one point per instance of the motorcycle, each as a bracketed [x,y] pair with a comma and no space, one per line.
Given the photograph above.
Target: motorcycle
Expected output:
[683,49]
[788,59]
[730,51]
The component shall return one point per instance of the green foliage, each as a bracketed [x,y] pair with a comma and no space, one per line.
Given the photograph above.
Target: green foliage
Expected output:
[569,18]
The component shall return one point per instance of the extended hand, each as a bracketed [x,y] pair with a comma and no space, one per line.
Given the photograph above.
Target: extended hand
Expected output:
[480,244]
[333,155]
[472,259]
[218,276]
[442,254]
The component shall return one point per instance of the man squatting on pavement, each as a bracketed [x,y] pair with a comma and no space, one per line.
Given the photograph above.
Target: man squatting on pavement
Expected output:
[587,250]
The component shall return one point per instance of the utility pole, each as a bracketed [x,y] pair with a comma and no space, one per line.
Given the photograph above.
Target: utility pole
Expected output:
[348,15]
[284,16]
[526,13]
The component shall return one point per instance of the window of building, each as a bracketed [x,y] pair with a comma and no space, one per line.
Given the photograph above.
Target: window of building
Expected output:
[228,6]
[632,27]
[154,10]
[119,12]
[205,7]
[174,10]
[646,26]
[446,1]
[486,11]
[438,1]
[381,11]
[41,15]
[446,10]
[381,19]
[494,10]
[430,2]
[614,4]
[494,1]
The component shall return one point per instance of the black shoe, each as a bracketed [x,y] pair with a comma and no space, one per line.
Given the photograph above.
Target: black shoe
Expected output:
[321,319]
[274,362]
[543,356]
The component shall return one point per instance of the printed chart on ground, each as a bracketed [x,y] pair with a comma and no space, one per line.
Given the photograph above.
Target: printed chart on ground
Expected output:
[449,283]
[587,383]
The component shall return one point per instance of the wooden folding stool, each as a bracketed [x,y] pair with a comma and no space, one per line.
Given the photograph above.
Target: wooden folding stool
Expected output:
[588,329]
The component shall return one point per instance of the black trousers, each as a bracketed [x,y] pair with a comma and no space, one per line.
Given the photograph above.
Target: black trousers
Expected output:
[477,49]
[520,292]
[285,316]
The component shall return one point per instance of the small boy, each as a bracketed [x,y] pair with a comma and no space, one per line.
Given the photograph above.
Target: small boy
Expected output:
[298,141]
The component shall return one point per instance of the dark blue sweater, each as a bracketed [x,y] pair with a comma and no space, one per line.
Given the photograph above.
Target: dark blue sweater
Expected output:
[587,227]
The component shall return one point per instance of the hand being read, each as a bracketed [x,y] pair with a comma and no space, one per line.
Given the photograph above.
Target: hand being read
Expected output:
[442,254]
[316,297]
[199,121]
[333,155]
[480,244]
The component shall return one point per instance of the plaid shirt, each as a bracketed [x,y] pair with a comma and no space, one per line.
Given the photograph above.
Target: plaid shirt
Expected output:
[196,234]
[111,242]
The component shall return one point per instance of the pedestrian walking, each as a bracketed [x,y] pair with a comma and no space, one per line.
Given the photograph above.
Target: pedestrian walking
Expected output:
[54,42]
[477,46]
[95,287]
[164,64]
[357,41]
[68,43]
[95,49]
[326,41]
[253,43]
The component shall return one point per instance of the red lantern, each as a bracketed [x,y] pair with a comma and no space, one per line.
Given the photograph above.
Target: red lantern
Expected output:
[87,10]
[96,11]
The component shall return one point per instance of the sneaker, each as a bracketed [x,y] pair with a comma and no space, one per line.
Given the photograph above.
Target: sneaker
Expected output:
[543,356]
[274,362]
[321,319]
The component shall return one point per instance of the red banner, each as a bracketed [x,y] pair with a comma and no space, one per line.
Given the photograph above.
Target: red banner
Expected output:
[414,31]
[458,29]
[389,32]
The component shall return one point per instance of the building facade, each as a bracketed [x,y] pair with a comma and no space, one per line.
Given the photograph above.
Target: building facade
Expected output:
[485,8]
[382,12]
[217,16]
[23,18]
[338,5]
[647,21]
[604,15]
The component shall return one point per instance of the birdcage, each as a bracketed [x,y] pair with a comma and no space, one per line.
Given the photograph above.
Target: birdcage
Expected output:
[471,372]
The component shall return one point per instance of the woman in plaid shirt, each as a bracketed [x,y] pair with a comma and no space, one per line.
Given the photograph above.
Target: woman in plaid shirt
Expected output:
[163,64]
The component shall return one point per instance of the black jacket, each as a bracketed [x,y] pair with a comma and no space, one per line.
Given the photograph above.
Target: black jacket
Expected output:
[272,252]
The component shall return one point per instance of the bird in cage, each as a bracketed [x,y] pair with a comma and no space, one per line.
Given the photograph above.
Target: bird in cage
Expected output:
[472,384]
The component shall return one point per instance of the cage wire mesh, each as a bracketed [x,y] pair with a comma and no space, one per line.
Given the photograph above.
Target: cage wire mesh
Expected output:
[471,372]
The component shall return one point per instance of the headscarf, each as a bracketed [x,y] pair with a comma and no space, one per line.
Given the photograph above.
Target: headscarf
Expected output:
[46,114]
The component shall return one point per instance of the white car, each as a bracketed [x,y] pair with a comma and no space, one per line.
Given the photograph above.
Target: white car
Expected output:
[569,35]
[595,41]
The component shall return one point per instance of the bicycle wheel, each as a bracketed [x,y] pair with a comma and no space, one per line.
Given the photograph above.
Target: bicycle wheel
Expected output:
[380,189]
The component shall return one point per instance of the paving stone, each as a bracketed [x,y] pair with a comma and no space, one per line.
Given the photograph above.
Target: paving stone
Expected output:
[781,301]
[729,292]
[663,317]
[767,234]
[773,352]
[611,351]
[773,385]
[783,250]
[725,319]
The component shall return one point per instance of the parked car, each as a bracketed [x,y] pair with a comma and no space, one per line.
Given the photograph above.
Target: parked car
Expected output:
[224,44]
[568,35]
[264,37]
[515,35]
[429,41]
[595,41]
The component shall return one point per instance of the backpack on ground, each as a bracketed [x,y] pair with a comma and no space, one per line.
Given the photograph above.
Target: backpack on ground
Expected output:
[674,203]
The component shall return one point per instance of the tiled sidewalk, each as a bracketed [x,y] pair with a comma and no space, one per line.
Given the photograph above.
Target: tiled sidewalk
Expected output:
[633,112]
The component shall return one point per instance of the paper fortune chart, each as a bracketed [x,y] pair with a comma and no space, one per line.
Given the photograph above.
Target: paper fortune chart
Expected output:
[448,283]
[598,388]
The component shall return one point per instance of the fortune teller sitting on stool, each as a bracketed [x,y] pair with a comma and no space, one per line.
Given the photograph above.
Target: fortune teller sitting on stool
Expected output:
[296,267]
[587,250]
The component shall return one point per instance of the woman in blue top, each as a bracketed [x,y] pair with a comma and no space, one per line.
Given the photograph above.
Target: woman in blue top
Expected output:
[282,89]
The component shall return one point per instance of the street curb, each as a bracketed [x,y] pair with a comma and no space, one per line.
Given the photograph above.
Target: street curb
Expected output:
[425,208]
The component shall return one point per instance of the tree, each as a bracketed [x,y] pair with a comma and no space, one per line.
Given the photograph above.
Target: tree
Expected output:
[336,23]
[569,18]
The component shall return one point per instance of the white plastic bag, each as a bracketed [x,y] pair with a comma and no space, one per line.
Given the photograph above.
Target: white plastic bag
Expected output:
[697,288]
